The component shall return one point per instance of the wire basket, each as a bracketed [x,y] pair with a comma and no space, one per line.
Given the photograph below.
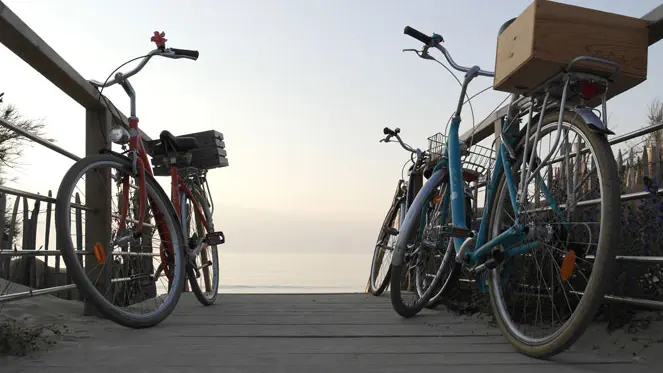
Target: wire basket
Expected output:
[477,160]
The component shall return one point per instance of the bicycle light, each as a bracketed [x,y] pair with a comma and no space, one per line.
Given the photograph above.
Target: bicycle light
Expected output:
[119,135]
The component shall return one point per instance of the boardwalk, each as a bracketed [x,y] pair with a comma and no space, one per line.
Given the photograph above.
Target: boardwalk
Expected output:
[302,333]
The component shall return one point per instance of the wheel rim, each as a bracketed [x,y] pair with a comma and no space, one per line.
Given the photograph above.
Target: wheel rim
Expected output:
[384,249]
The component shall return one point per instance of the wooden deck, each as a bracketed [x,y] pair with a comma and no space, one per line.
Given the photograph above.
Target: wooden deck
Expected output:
[314,333]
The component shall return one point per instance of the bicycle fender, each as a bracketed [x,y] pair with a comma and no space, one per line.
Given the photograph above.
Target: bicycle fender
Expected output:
[413,213]
[590,117]
[116,154]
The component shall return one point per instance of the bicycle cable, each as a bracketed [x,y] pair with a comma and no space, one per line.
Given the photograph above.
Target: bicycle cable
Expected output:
[109,105]
[460,84]
[469,100]
[404,165]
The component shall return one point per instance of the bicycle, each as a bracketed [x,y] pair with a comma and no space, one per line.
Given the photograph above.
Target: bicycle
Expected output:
[495,256]
[405,192]
[125,254]
[424,268]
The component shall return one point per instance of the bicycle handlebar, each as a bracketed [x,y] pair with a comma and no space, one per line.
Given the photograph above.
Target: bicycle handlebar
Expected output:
[161,51]
[167,52]
[434,42]
[395,133]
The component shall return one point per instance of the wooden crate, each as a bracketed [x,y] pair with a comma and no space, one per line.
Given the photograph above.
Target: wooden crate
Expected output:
[548,35]
[211,153]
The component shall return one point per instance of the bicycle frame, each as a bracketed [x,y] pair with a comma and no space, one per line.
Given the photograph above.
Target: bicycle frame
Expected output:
[473,255]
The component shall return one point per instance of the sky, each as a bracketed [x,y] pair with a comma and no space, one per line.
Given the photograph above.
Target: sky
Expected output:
[301,90]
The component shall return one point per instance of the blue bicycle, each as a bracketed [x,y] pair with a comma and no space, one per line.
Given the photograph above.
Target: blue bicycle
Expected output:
[546,244]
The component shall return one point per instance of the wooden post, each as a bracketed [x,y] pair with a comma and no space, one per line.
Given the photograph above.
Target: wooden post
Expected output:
[98,198]
[37,274]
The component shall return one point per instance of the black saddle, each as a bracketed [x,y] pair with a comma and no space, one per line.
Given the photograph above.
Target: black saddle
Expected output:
[504,26]
[178,143]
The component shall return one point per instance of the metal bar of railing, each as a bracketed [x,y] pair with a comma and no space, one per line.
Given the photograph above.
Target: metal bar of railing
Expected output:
[38,197]
[35,292]
[637,133]
[78,252]
[634,259]
[39,140]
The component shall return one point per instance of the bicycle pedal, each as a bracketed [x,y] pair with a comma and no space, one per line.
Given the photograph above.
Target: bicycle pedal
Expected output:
[391,231]
[457,232]
[215,238]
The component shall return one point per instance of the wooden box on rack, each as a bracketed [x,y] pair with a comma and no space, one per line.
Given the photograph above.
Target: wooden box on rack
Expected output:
[211,153]
[548,35]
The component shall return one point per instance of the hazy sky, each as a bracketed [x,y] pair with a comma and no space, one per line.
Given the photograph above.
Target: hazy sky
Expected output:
[301,89]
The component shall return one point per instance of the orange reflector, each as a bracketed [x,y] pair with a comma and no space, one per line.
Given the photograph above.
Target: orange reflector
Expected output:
[568,264]
[437,199]
[99,253]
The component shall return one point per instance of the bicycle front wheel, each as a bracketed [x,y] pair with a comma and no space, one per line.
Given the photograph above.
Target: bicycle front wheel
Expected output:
[549,287]
[203,271]
[128,277]
[413,252]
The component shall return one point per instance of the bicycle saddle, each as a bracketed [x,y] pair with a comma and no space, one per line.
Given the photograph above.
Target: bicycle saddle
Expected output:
[504,26]
[178,144]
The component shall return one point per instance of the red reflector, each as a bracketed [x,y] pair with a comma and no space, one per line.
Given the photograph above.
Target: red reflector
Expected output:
[589,89]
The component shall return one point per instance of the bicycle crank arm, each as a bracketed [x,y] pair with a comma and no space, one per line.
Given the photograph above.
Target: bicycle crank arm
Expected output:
[197,269]
[491,263]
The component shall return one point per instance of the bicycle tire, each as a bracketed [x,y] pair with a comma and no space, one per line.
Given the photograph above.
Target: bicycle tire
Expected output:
[398,268]
[604,264]
[74,266]
[206,300]
[393,213]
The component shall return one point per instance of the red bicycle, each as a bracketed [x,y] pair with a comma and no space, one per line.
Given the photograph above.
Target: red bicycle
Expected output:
[126,273]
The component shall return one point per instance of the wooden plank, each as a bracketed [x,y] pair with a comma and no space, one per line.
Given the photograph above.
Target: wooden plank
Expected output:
[26,44]
[250,333]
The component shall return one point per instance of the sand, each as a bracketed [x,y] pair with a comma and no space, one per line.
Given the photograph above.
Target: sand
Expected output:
[61,320]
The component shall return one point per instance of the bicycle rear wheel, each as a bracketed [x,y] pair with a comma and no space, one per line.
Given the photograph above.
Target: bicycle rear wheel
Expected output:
[565,277]
[384,248]
[203,271]
[129,279]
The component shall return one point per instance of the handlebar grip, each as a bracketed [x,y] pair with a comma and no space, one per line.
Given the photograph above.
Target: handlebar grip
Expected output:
[186,52]
[389,132]
[418,35]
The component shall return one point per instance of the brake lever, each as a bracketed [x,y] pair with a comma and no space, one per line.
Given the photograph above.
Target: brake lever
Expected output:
[421,53]
[424,54]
